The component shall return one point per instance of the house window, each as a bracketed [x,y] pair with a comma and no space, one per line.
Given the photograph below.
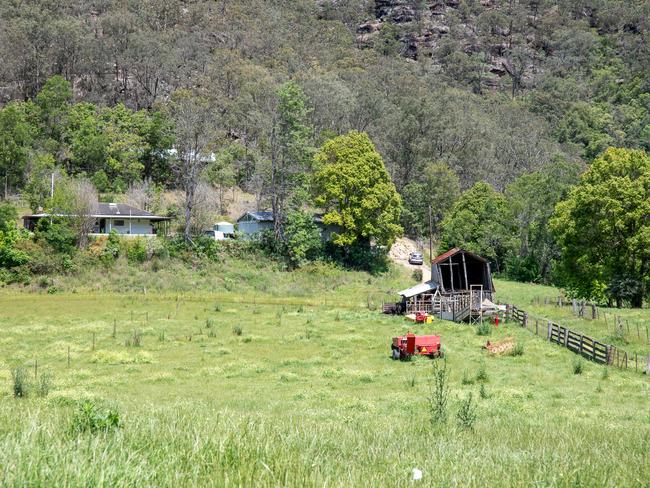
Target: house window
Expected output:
[118,223]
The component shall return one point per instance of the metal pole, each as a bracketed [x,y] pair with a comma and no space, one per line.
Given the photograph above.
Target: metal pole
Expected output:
[430,235]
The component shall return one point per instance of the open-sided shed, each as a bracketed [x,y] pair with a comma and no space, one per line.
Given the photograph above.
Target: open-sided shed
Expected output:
[458,271]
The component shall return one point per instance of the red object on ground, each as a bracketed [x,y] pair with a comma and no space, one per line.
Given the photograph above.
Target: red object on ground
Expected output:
[496,321]
[421,317]
[404,347]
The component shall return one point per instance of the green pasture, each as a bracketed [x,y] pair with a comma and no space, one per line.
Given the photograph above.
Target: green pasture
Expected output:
[288,382]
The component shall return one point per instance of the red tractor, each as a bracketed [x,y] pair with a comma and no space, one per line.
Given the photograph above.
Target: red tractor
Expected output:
[405,347]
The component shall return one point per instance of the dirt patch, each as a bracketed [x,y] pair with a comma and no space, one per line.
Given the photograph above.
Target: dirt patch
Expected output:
[400,252]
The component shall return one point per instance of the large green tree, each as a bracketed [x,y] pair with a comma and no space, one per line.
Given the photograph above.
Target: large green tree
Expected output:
[603,228]
[17,133]
[353,187]
[290,153]
[437,189]
[532,198]
[481,222]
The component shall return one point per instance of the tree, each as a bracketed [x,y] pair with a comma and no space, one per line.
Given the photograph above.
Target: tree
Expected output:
[195,131]
[290,152]
[604,231]
[76,199]
[532,198]
[481,222]
[54,100]
[438,189]
[302,238]
[8,217]
[353,187]
[17,134]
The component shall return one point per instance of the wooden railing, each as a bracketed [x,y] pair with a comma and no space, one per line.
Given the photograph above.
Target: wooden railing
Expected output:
[577,342]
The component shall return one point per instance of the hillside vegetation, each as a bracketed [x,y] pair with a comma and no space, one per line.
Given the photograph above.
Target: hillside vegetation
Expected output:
[502,127]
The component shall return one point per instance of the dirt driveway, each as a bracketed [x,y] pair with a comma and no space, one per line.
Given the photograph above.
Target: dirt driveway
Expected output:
[400,251]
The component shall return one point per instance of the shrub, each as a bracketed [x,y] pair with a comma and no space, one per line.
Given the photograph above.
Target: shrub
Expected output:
[517,350]
[44,385]
[20,380]
[58,234]
[135,340]
[217,307]
[417,275]
[237,330]
[209,323]
[90,418]
[466,379]
[112,249]
[438,392]
[578,366]
[483,392]
[8,217]
[481,374]
[466,414]
[483,329]
[136,250]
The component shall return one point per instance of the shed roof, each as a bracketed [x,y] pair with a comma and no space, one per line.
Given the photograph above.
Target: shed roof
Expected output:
[456,250]
[418,289]
[259,216]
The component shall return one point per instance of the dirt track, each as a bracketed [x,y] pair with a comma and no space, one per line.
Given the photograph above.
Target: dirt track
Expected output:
[400,251]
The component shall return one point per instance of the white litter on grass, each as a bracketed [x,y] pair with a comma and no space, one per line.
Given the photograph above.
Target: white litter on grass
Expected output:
[417,474]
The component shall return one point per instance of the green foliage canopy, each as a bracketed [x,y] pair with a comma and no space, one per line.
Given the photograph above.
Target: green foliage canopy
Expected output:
[603,229]
[353,186]
[481,222]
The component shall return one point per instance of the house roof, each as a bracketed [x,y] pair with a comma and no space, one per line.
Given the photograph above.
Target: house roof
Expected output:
[259,216]
[418,289]
[456,250]
[121,210]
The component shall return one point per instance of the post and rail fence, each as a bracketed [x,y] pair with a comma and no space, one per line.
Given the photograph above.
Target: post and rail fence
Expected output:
[586,346]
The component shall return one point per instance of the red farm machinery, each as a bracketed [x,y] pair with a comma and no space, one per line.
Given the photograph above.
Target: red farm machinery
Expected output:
[405,347]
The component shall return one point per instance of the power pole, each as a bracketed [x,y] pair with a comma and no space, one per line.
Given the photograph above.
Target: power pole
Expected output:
[430,234]
[52,186]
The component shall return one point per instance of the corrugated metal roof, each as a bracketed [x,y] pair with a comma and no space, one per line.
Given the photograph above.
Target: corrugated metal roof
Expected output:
[418,289]
[121,210]
[456,250]
[259,216]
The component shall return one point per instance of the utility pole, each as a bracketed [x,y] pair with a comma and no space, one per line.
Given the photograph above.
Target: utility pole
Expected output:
[6,185]
[430,234]
[52,186]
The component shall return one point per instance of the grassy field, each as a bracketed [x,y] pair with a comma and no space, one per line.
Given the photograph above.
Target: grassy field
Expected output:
[289,383]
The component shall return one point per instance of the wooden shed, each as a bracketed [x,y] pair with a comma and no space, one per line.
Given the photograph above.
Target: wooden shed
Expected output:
[460,271]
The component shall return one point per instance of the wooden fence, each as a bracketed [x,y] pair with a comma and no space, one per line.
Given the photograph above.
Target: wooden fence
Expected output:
[586,346]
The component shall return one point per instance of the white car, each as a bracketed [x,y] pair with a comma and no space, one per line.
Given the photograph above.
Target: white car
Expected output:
[215,234]
[416,258]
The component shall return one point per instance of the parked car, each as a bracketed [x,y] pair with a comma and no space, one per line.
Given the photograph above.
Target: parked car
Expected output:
[416,258]
[215,234]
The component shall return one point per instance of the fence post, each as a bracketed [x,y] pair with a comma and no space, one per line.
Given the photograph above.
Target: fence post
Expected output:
[536,327]
[647,364]
[594,312]
[525,324]
[548,334]
[574,305]
[566,336]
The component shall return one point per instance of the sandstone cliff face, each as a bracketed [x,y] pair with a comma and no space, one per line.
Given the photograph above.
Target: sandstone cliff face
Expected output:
[422,24]
[421,28]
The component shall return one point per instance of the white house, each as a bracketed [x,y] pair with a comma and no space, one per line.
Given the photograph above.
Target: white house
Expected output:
[120,217]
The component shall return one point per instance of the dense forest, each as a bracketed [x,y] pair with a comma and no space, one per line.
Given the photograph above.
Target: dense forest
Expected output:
[484,111]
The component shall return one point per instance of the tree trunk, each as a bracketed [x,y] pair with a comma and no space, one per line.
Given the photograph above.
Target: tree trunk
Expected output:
[189,204]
